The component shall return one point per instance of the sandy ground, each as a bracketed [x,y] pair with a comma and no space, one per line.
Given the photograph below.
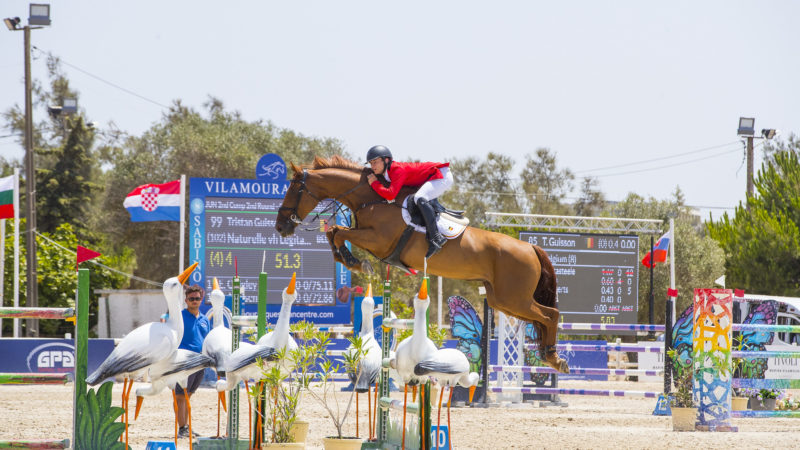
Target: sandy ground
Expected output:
[45,412]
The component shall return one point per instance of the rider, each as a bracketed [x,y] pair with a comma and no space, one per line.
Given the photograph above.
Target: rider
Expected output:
[432,178]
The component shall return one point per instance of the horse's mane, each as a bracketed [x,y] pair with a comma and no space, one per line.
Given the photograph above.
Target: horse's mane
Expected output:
[334,162]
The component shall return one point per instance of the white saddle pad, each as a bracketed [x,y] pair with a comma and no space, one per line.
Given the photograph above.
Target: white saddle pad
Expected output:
[449,228]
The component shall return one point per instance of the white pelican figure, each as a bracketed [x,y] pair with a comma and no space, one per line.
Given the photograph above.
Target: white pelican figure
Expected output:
[218,344]
[145,345]
[172,371]
[242,364]
[418,347]
[370,365]
[449,367]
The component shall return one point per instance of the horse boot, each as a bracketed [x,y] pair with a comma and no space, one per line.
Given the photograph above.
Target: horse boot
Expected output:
[435,239]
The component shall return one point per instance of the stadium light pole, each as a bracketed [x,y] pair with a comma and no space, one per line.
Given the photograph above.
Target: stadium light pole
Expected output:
[747,130]
[39,16]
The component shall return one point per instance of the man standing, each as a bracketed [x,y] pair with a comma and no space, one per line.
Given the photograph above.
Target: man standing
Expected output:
[195,329]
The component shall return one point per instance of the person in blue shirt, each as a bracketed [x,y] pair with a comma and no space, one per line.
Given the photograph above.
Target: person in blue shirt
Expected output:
[195,329]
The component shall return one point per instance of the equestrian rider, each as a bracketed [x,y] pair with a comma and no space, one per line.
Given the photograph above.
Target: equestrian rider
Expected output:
[432,178]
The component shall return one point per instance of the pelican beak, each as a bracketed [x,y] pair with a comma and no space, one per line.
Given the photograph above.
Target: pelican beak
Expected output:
[215,285]
[423,290]
[369,290]
[222,399]
[139,401]
[185,275]
[471,393]
[290,288]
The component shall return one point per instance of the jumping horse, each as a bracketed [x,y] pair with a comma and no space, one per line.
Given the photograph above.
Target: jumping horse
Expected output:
[518,276]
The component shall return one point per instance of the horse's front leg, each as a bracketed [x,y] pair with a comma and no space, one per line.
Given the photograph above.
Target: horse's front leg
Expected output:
[364,238]
[330,235]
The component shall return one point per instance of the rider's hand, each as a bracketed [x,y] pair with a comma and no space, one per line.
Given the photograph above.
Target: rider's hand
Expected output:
[371,178]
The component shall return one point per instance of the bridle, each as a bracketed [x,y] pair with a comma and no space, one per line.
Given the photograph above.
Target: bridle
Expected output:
[337,206]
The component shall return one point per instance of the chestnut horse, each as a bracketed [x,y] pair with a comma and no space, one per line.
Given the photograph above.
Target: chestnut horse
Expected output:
[519,279]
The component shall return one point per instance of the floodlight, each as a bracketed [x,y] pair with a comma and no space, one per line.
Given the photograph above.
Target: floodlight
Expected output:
[39,14]
[768,133]
[11,23]
[69,106]
[746,126]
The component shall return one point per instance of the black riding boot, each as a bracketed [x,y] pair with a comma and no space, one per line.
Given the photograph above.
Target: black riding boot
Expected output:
[435,239]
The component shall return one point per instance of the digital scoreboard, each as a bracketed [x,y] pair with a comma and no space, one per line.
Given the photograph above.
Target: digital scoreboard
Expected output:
[232,221]
[597,274]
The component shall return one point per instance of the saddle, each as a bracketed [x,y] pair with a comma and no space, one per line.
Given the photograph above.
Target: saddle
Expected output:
[441,213]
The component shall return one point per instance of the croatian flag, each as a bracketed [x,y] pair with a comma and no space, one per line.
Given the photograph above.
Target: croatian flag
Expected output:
[152,202]
[660,250]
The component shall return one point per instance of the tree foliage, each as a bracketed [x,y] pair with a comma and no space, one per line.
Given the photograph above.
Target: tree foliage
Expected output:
[545,183]
[57,275]
[762,239]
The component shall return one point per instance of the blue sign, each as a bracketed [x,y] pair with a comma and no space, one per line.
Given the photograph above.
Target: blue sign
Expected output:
[271,167]
[443,437]
[232,228]
[49,355]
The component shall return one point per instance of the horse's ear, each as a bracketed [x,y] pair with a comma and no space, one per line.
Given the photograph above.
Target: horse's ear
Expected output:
[295,168]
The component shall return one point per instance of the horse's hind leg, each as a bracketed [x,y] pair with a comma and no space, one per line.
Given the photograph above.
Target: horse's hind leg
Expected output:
[517,300]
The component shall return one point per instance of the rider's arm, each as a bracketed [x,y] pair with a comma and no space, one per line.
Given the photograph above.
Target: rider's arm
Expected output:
[398,178]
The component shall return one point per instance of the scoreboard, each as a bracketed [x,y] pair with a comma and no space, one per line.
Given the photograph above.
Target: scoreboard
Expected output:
[232,222]
[598,275]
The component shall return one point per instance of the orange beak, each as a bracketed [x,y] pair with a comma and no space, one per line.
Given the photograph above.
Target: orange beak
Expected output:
[423,290]
[471,393]
[290,288]
[215,285]
[185,275]
[139,400]
[369,290]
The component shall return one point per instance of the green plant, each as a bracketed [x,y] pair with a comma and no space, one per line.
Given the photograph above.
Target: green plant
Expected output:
[328,369]
[286,378]
[764,394]
[96,420]
[684,379]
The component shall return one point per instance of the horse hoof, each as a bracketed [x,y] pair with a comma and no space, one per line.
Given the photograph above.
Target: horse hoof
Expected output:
[366,267]
[563,367]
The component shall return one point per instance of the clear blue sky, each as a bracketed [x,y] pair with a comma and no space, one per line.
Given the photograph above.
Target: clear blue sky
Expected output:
[599,83]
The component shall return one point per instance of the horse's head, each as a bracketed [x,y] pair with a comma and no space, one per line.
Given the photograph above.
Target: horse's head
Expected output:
[298,202]
[335,178]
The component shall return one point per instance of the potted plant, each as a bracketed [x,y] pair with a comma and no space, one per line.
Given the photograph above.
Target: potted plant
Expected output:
[739,398]
[323,391]
[769,397]
[284,390]
[684,413]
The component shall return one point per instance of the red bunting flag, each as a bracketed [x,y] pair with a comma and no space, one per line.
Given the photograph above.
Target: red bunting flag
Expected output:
[85,254]
[672,292]
[738,293]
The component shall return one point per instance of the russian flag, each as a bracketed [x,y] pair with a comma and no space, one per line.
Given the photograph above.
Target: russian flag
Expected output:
[660,250]
[152,202]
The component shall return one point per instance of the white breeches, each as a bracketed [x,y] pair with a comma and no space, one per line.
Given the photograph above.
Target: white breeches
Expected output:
[434,188]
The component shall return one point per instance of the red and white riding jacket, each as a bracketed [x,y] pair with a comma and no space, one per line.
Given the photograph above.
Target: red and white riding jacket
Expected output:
[413,174]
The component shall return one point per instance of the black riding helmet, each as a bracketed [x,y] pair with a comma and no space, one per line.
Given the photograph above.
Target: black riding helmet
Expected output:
[378,151]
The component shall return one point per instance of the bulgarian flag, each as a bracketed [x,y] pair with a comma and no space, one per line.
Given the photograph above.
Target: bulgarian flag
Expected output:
[659,251]
[7,197]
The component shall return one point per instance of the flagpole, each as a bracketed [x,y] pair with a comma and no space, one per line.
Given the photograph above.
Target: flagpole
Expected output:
[2,268]
[16,248]
[183,221]
[672,263]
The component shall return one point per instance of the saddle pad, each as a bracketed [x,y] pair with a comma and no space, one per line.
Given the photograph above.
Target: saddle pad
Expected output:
[449,228]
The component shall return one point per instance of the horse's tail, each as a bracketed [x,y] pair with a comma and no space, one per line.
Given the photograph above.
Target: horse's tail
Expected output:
[545,292]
